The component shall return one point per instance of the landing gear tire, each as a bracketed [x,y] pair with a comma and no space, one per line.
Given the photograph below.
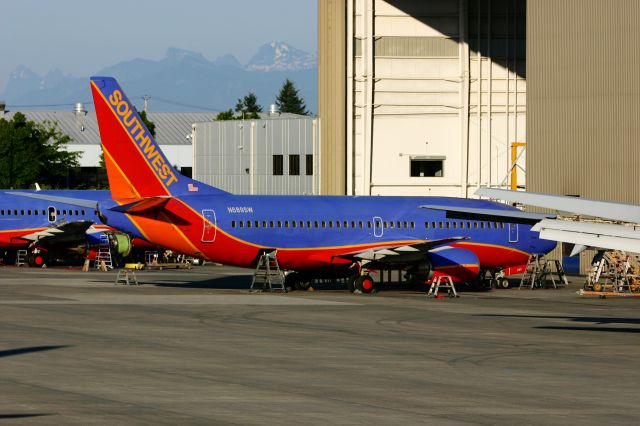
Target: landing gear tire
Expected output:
[291,281]
[351,283]
[365,284]
[302,284]
[36,260]
[503,283]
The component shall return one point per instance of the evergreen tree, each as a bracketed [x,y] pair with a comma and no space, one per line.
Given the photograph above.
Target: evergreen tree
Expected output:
[248,107]
[226,115]
[289,101]
[32,153]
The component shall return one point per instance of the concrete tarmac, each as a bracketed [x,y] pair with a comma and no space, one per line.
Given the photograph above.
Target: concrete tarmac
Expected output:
[193,347]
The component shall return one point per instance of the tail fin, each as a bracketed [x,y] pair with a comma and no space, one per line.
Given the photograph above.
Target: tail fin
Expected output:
[136,166]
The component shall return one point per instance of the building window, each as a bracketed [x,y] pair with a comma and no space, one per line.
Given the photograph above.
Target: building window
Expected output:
[427,168]
[309,164]
[294,165]
[278,165]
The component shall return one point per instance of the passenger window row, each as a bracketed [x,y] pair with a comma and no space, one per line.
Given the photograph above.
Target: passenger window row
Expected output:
[345,224]
[464,225]
[30,212]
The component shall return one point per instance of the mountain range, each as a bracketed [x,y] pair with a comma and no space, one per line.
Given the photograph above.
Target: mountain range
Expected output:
[181,81]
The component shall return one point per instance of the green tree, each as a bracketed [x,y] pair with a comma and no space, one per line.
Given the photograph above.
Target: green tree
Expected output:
[226,115]
[289,101]
[32,153]
[248,106]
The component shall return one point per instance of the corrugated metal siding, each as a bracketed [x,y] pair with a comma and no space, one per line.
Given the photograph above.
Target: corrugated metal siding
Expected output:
[416,46]
[237,156]
[172,128]
[584,98]
[331,94]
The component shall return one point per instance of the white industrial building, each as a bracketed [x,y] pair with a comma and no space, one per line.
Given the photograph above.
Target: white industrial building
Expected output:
[435,93]
[272,155]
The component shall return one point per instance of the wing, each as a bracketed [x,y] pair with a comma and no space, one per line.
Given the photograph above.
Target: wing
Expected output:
[63,233]
[581,206]
[512,215]
[589,234]
[399,254]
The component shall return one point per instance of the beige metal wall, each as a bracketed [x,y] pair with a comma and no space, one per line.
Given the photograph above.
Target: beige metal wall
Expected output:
[583,101]
[332,95]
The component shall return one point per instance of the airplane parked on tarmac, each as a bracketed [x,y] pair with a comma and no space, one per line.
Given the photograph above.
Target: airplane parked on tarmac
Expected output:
[582,234]
[313,236]
[50,229]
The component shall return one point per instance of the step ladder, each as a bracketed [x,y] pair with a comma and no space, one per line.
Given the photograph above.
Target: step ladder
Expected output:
[534,273]
[22,258]
[442,282]
[559,271]
[268,276]
[104,253]
[127,276]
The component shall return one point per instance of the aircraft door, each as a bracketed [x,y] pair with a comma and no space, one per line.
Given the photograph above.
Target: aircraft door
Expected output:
[513,232]
[378,229]
[51,213]
[208,226]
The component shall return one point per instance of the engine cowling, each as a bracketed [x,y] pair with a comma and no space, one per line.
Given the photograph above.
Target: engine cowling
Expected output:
[460,264]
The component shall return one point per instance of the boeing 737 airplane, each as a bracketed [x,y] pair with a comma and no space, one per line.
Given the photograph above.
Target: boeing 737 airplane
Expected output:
[49,229]
[313,236]
[583,234]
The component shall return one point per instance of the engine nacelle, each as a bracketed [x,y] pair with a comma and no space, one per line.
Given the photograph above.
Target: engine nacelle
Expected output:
[460,264]
[421,272]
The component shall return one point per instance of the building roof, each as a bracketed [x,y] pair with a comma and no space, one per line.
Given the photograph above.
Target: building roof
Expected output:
[172,128]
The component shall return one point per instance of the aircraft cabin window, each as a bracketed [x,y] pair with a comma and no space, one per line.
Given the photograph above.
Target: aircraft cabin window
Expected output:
[413,225]
[248,224]
[400,224]
[502,225]
[294,224]
[271,224]
[496,225]
[2,212]
[264,223]
[35,212]
[44,213]
[475,225]
[315,223]
[426,225]
[368,224]
[461,225]
[256,224]
[58,212]
[279,224]
[353,224]
[28,212]
[338,224]
[482,225]
[8,212]
[233,223]
[345,224]
[82,212]
[469,225]
[21,212]
[241,223]
[455,225]
[324,224]
[301,224]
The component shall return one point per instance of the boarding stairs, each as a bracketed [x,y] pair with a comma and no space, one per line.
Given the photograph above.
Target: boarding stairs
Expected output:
[539,270]
[442,282]
[268,276]
[103,257]
[22,257]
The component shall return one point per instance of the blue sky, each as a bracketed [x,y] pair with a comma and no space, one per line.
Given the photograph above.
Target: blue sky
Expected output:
[80,37]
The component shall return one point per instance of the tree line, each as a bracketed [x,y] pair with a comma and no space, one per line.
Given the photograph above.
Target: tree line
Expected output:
[247,108]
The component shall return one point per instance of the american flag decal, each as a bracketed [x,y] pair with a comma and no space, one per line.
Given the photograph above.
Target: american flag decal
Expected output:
[192,188]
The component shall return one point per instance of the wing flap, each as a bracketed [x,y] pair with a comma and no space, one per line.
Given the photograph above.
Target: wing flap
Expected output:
[582,206]
[598,235]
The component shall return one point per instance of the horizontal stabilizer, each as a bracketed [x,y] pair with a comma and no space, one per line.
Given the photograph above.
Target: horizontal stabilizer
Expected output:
[597,235]
[575,205]
[143,205]
[91,204]
[498,213]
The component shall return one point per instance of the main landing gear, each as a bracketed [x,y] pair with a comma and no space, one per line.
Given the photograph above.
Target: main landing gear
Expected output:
[297,281]
[361,284]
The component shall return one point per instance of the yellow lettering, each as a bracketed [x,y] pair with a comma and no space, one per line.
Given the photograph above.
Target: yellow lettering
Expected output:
[122,108]
[150,150]
[166,171]
[143,138]
[115,97]
[172,179]
[157,162]
[129,119]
